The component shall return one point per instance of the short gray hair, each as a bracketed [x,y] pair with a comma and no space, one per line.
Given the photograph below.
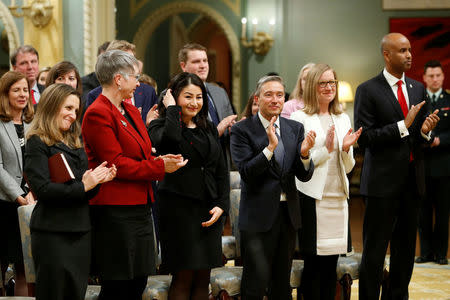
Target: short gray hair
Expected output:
[112,62]
[265,79]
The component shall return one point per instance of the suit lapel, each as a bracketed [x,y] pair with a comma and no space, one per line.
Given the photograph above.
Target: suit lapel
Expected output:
[11,131]
[386,89]
[414,98]
[288,137]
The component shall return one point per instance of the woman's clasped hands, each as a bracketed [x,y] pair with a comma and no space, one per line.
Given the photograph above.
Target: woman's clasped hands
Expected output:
[100,174]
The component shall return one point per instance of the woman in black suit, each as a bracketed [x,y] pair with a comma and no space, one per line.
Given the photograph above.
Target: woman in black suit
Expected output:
[192,200]
[60,223]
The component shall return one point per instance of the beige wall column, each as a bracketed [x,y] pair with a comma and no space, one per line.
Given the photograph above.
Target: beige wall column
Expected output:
[48,40]
[99,27]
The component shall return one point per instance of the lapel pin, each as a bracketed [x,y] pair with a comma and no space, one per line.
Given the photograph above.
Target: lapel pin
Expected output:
[410,85]
[123,123]
[441,96]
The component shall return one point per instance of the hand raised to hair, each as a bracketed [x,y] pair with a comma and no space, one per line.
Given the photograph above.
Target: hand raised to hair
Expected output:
[168,99]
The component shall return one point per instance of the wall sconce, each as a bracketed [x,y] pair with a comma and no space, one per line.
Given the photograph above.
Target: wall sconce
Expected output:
[39,11]
[260,42]
[345,93]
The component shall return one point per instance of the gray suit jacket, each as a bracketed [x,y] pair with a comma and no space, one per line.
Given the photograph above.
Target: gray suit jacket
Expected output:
[220,99]
[11,164]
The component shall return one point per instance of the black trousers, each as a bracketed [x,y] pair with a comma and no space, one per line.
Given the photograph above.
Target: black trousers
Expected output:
[434,239]
[267,259]
[391,219]
[319,277]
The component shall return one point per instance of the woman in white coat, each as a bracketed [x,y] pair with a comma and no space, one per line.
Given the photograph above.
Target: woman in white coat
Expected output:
[324,233]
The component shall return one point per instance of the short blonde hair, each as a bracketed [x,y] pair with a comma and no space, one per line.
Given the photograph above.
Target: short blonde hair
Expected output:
[122,45]
[310,97]
[45,123]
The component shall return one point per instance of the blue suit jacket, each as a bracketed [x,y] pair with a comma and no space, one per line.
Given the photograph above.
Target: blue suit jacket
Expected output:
[144,97]
[262,181]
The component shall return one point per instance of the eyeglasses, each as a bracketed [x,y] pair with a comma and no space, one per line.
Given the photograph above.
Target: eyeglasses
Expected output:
[136,76]
[332,83]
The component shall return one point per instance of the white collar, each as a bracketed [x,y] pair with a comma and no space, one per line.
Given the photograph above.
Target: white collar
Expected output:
[266,123]
[437,93]
[391,79]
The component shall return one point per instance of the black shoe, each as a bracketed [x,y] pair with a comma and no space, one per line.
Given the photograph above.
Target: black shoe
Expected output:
[442,261]
[424,259]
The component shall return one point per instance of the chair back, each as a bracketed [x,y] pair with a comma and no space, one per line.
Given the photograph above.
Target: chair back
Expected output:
[25,235]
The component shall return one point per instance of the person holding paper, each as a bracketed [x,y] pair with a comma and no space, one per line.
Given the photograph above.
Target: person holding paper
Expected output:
[16,112]
[60,224]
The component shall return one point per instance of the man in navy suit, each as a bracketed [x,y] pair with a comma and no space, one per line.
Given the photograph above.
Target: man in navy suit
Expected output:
[144,97]
[389,109]
[269,151]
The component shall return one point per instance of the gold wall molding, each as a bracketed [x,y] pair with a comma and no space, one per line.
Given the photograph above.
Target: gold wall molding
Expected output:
[48,40]
[234,5]
[99,27]
[148,26]
[10,28]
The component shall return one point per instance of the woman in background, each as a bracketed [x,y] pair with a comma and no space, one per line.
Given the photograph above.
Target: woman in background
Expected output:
[251,108]
[16,112]
[191,201]
[42,76]
[296,99]
[60,223]
[325,227]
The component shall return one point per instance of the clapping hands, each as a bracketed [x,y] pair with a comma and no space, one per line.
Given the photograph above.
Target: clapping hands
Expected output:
[100,174]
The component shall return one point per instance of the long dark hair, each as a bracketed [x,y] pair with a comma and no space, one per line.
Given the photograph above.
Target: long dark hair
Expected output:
[176,85]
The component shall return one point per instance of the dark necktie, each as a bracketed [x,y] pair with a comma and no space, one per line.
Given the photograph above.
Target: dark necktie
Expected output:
[279,150]
[212,111]
[433,99]
[401,98]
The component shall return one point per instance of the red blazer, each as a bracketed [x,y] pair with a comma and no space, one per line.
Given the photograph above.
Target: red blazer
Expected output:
[108,136]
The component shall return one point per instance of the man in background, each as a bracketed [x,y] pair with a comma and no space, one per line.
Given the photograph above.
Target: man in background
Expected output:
[26,61]
[90,81]
[434,239]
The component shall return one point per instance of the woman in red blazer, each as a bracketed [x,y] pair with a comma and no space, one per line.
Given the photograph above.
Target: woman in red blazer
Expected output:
[113,131]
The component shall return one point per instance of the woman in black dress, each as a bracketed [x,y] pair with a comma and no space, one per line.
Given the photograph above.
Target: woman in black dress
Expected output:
[16,112]
[60,223]
[193,200]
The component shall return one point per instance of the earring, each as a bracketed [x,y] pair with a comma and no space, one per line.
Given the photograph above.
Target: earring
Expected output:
[119,88]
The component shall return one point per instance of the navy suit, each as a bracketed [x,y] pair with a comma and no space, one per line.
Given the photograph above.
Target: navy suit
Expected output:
[391,184]
[267,225]
[144,98]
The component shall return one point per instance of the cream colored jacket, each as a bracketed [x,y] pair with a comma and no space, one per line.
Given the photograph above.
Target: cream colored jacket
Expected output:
[319,153]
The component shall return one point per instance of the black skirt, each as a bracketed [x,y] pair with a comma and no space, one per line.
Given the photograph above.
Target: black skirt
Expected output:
[185,244]
[123,245]
[62,262]
[10,244]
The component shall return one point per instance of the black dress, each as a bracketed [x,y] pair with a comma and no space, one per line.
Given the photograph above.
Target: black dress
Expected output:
[60,223]
[187,195]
